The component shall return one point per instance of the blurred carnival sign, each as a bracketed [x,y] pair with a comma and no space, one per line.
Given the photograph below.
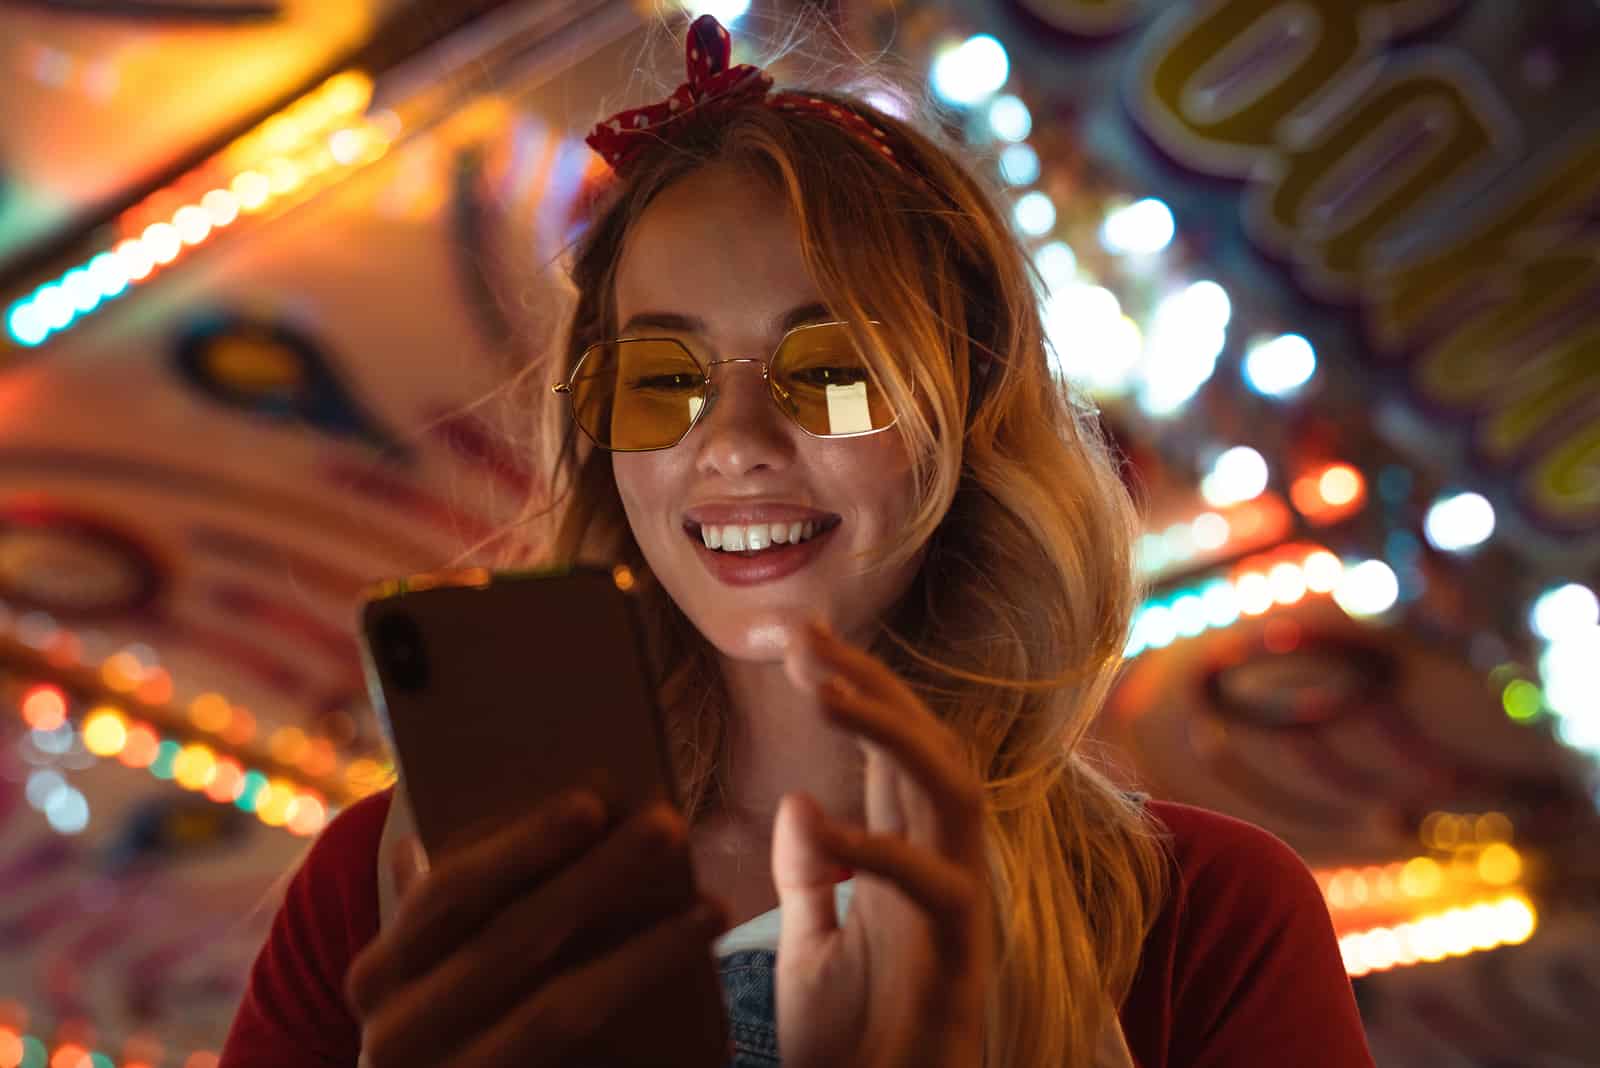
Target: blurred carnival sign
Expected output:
[1411,182]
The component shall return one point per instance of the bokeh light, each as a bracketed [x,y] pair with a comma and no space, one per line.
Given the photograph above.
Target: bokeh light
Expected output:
[1459,522]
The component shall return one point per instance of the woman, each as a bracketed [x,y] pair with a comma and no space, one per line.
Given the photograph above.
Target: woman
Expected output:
[888,565]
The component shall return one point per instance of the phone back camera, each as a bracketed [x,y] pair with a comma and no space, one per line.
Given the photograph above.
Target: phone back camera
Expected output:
[399,647]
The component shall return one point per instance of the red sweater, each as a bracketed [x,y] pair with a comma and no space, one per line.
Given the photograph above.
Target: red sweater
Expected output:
[1241,968]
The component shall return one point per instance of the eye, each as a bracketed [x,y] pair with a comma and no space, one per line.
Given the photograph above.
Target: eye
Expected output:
[672,382]
[829,376]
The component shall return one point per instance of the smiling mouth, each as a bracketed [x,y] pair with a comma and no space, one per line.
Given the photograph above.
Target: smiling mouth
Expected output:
[752,539]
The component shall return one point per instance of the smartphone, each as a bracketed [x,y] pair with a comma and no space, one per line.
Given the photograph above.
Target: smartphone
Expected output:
[499,689]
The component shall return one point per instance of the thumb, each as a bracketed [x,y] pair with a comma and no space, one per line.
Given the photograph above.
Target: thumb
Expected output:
[804,875]
[408,863]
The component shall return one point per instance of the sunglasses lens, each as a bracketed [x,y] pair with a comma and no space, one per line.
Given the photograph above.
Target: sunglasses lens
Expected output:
[640,394]
[821,379]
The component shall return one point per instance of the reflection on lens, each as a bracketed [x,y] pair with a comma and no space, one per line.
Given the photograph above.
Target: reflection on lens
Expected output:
[637,394]
[821,379]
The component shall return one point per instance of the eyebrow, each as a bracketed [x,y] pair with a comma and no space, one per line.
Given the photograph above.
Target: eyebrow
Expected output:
[804,315]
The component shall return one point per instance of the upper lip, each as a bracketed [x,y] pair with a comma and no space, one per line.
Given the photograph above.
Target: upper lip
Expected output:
[735,513]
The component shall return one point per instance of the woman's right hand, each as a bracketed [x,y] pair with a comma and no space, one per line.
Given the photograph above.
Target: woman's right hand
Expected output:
[478,966]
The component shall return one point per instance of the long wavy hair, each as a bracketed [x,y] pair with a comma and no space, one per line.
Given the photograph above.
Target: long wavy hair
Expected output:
[1014,627]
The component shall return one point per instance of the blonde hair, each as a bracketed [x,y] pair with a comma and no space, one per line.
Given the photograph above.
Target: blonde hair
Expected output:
[1015,626]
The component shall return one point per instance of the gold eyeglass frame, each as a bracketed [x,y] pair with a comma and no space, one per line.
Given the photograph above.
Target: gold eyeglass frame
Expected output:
[773,389]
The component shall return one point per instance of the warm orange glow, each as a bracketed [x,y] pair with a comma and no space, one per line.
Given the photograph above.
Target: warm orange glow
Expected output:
[227,783]
[122,672]
[272,804]
[306,815]
[105,732]
[241,728]
[1329,493]
[1499,864]
[319,759]
[210,712]
[221,205]
[156,687]
[202,1059]
[1340,485]
[252,189]
[194,767]
[71,1055]
[139,751]
[44,708]
[11,1050]
[287,744]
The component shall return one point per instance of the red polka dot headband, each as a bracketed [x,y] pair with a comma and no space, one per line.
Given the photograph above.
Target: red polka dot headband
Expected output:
[714,86]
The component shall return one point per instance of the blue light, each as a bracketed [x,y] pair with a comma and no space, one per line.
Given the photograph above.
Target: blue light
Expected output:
[1221,602]
[971,72]
[26,324]
[1280,366]
[1019,165]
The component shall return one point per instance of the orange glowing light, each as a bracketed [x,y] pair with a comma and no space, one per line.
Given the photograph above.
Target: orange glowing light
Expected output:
[71,1055]
[319,759]
[156,687]
[11,1049]
[202,1059]
[105,732]
[241,728]
[210,712]
[139,751]
[252,189]
[287,744]
[122,672]
[44,708]
[194,767]
[221,205]
[272,804]
[1340,485]
[283,177]
[306,815]
[228,781]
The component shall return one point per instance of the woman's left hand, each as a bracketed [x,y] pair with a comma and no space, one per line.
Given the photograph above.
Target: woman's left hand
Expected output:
[901,983]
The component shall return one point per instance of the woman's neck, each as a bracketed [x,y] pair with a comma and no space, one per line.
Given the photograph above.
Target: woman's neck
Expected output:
[778,742]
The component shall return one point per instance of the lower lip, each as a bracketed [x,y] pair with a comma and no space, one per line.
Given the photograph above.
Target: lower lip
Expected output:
[770,565]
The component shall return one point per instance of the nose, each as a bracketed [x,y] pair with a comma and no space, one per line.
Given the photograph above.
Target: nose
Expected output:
[741,431]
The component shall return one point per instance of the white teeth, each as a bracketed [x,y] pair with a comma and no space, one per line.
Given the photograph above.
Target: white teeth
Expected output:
[754,537]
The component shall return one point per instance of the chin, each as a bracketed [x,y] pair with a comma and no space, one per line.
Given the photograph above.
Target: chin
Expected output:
[761,635]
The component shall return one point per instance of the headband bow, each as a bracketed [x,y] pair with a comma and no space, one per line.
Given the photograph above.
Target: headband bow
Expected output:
[715,86]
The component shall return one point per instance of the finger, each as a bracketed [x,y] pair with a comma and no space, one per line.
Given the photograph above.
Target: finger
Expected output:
[453,899]
[802,872]
[597,898]
[409,864]
[559,1022]
[866,672]
[919,750]
[944,889]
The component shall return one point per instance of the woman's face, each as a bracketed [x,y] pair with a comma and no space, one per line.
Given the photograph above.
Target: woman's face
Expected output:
[715,259]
